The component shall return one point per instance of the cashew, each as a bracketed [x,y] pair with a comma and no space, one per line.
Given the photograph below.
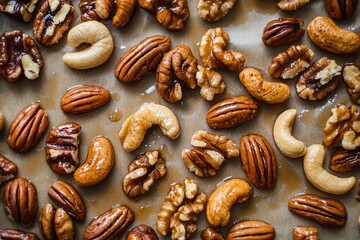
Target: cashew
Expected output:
[102,45]
[223,198]
[319,177]
[134,128]
[259,88]
[287,144]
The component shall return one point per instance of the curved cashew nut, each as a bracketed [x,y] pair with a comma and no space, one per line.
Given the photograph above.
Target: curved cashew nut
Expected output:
[134,128]
[287,144]
[223,198]
[102,45]
[319,177]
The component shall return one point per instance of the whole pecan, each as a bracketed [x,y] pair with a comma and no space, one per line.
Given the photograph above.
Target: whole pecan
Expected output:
[326,211]
[12,234]
[88,12]
[211,234]
[343,160]
[141,232]
[8,169]
[27,128]
[109,225]
[19,8]
[124,9]
[19,54]
[251,229]
[283,31]
[176,70]
[339,9]
[142,58]
[20,201]
[305,233]
[351,74]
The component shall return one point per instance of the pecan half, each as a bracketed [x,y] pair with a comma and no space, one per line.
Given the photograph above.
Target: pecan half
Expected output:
[19,8]
[251,229]
[46,222]
[62,146]
[27,128]
[141,232]
[305,233]
[144,170]
[19,54]
[176,70]
[292,5]
[8,169]
[210,82]
[124,10]
[343,160]
[231,112]
[12,234]
[142,58]
[64,228]
[210,234]
[326,211]
[20,201]
[88,12]
[339,9]
[211,10]
[351,74]
[109,225]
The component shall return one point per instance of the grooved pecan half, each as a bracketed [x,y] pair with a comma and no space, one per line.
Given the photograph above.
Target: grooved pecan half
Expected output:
[8,169]
[141,232]
[12,234]
[251,229]
[343,160]
[19,8]
[339,9]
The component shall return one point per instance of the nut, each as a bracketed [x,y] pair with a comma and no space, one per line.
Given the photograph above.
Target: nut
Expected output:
[110,224]
[88,10]
[144,170]
[259,88]
[292,5]
[17,235]
[345,160]
[208,153]
[141,232]
[290,63]
[212,51]
[142,58]
[328,36]
[214,10]
[62,147]
[66,197]
[46,222]
[319,177]
[210,234]
[8,169]
[20,201]
[133,130]
[258,160]
[124,10]
[287,144]
[305,233]
[52,21]
[19,8]
[2,121]
[19,55]
[177,69]
[340,9]
[282,31]
[27,128]
[326,211]
[180,209]
[231,112]
[251,229]
[64,228]
[210,82]
[223,198]
[98,36]
[103,8]
[351,74]
[98,164]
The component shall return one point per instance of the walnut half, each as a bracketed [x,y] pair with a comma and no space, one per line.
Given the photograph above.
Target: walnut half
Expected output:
[210,82]
[214,10]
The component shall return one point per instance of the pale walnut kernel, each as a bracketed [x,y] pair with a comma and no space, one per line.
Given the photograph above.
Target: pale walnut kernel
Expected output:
[213,10]
[351,74]
[210,82]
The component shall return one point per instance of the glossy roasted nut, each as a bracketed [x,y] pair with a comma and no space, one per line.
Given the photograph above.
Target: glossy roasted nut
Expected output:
[142,58]
[283,31]
[124,10]
[20,201]
[319,80]
[210,234]
[305,233]
[231,112]
[176,71]
[290,63]
[88,10]
[210,82]
[2,121]
[19,54]
[109,225]
[27,128]
[104,8]
[343,160]
[62,147]
[214,10]
[8,169]
[340,9]
[64,228]
[22,9]
[292,5]
[251,229]
[13,234]
[66,197]
[141,232]
[326,211]
[351,74]
[46,222]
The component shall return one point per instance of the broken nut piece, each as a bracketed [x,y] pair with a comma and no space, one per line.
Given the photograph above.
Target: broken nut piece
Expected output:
[210,82]
[214,10]
[211,234]
[351,74]
[22,9]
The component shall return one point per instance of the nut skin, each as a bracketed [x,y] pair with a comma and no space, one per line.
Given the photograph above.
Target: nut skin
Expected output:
[20,201]
[210,234]
[231,112]
[88,11]
[142,58]
[343,160]
[62,148]
[110,224]
[340,9]
[27,129]
[326,211]
[292,5]
[141,232]
[46,222]
[305,233]
[124,10]
[214,10]
[12,234]
[282,31]
[251,229]
[66,197]
[22,9]
[83,99]
[351,75]
[8,169]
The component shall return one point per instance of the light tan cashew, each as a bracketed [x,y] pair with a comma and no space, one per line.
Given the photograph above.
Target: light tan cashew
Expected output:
[2,121]
[134,128]
[319,177]
[287,144]
[102,45]
[223,198]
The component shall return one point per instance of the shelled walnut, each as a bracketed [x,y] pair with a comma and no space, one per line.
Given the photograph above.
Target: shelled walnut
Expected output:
[351,74]
[19,8]
[210,82]
[214,10]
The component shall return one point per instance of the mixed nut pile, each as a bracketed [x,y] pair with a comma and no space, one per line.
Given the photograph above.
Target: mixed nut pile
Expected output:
[178,70]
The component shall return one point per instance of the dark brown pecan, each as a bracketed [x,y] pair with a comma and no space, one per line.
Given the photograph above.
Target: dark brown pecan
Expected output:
[8,169]
[124,10]
[144,170]
[20,201]
[142,58]
[211,234]
[62,147]
[88,12]
[66,197]
[351,74]
[176,70]
[19,8]
[27,128]
[283,31]
[251,229]
[340,9]
[231,112]
[109,225]
[141,232]
[19,54]
[305,233]
[343,160]
[12,234]
[326,211]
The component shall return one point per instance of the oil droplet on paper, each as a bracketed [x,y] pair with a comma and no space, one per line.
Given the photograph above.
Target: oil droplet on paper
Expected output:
[164,151]
[115,115]
[115,96]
